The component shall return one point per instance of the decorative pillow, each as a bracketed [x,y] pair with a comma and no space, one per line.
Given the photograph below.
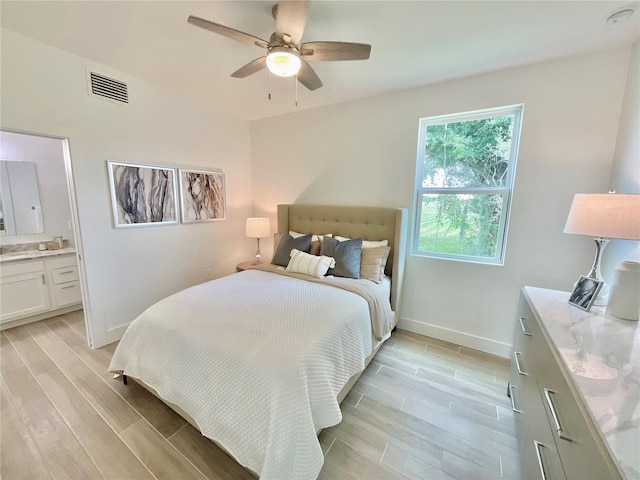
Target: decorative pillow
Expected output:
[366,243]
[346,254]
[316,238]
[313,265]
[372,263]
[315,241]
[288,243]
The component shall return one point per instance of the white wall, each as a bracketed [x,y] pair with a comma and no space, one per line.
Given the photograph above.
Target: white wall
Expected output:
[364,152]
[44,90]
[625,174]
[48,156]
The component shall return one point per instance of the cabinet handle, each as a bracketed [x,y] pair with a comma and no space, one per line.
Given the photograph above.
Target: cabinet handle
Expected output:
[68,286]
[43,282]
[524,330]
[513,402]
[515,357]
[558,427]
[64,273]
[537,446]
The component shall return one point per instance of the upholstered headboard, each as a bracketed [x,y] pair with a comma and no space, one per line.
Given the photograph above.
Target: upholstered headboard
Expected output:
[369,223]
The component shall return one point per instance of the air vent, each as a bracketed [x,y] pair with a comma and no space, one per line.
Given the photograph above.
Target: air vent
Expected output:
[108,88]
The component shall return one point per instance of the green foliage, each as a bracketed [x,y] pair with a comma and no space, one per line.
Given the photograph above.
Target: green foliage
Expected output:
[462,226]
[472,154]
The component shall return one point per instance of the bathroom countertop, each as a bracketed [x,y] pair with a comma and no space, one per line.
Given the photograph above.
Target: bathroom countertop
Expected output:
[29,254]
[601,354]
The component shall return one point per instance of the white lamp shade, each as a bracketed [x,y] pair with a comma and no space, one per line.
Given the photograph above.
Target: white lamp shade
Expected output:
[258,227]
[608,215]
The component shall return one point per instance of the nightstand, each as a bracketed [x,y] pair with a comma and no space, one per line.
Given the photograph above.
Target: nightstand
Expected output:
[242,266]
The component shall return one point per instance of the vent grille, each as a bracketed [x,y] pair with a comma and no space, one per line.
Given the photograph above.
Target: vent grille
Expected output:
[109,88]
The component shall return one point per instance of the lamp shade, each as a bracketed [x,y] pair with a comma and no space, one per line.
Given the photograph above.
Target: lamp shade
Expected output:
[258,227]
[608,215]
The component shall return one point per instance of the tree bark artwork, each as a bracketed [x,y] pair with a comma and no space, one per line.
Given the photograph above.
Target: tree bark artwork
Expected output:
[203,196]
[142,194]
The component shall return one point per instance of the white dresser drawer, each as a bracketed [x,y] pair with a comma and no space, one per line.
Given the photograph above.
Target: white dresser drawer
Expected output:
[63,275]
[19,267]
[67,293]
[62,261]
[575,440]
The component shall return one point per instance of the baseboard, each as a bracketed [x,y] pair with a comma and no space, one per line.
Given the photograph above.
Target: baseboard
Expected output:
[459,338]
[40,316]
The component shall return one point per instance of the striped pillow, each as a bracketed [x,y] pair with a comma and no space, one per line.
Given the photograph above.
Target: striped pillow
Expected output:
[313,265]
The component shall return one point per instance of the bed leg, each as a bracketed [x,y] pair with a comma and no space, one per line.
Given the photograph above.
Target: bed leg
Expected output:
[124,379]
[394,329]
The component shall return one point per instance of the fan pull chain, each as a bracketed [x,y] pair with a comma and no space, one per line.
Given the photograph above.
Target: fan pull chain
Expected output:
[269,83]
[296,89]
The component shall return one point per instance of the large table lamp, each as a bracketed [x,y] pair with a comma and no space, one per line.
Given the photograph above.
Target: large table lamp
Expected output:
[258,228]
[605,217]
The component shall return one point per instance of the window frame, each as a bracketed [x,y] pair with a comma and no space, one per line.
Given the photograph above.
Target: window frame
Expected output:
[505,191]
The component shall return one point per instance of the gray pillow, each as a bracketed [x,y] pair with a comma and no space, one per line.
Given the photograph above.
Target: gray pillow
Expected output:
[288,243]
[347,256]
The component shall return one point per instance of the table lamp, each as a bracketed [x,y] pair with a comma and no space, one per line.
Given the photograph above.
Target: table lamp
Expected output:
[605,217]
[258,228]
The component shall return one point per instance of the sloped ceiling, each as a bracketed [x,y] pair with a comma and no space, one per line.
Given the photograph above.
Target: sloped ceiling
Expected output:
[413,43]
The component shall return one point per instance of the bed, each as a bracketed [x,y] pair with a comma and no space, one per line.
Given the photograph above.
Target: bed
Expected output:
[259,360]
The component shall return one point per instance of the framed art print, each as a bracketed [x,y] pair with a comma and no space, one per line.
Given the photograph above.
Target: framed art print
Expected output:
[202,196]
[585,292]
[142,195]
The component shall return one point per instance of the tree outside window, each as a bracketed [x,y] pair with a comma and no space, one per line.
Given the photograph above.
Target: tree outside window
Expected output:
[465,174]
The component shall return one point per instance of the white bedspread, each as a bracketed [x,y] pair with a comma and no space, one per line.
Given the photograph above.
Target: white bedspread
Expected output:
[257,360]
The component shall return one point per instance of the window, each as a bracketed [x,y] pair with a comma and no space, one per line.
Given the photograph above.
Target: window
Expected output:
[464,178]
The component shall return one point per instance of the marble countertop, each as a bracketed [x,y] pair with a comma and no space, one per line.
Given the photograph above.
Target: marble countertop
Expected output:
[602,355]
[29,254]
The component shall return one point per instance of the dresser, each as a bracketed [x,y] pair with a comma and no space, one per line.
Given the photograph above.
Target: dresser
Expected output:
[575,387]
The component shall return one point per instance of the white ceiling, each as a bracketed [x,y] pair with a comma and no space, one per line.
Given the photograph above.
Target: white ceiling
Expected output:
[413,43]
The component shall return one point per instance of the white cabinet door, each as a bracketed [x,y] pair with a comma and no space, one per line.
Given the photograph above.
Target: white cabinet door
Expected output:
[23,295]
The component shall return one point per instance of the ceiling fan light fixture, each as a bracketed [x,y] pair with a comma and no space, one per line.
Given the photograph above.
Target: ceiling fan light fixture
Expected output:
[283,61]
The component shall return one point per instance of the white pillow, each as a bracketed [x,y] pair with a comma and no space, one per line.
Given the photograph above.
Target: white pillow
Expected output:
[313,265]
[365,243]
[315,238]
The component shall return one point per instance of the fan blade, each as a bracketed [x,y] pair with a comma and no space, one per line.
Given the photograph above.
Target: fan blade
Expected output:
[227,31]
[250,68]
[308,77]
[330,51]
[291,18]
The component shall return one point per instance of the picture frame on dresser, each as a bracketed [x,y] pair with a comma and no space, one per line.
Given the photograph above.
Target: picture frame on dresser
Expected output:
[142,195]
[585,292]
[202,196]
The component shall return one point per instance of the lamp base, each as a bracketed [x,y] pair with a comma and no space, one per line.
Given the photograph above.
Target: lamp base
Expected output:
[603,295]
[258,255]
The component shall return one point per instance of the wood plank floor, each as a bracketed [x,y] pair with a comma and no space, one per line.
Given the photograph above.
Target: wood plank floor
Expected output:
[423,409]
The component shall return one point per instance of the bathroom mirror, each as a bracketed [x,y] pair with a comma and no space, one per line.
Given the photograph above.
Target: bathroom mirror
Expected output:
[20,207]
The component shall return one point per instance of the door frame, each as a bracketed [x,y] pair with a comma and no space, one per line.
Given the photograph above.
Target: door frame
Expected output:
[64,134]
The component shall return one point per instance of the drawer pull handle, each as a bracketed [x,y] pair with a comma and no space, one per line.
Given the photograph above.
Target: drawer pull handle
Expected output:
[552,409]
[43,282]
[64,273]
[524,330]
[68,286]
[513,401]
[515,357]
[537,445]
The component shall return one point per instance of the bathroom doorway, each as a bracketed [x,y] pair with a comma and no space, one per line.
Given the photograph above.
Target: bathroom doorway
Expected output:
[39,233]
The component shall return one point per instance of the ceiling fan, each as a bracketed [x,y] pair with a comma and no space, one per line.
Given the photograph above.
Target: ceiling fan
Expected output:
[286,56]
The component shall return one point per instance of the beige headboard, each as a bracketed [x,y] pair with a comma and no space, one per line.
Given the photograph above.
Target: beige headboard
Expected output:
[369,223]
